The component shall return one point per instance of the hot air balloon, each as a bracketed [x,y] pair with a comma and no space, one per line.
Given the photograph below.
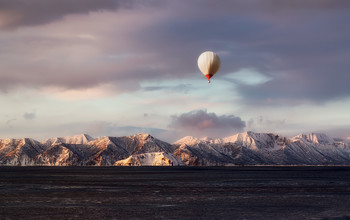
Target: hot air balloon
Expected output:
[208,63]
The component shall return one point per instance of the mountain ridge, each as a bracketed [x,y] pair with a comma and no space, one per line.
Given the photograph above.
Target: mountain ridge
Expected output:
[247,148]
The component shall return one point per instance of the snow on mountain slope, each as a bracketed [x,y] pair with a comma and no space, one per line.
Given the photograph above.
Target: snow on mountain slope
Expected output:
[264,148]
[59,155]
[113,149]
[316,138]
[188,140]
[109,151]
[205,152]
[150,159]
[20,151]
[76,139]
[317,149]
[143,143]
[242,148]
[257,141]
[247,148]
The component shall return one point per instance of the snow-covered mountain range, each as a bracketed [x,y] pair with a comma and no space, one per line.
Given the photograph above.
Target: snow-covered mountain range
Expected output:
[246,148]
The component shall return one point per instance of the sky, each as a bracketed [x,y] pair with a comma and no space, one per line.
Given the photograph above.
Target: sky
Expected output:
[121,67]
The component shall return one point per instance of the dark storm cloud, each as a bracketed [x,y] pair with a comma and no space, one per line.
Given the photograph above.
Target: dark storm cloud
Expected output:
[200,122]
[302,46]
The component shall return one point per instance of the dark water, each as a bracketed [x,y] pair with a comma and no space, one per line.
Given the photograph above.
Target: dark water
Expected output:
[174,192]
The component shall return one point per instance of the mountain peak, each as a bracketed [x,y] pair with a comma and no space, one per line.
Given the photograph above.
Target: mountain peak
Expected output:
[317,138]
[143,136]
[243,148]
[82,137]
[75,139]
[20,141]
[188,140]
[255,141]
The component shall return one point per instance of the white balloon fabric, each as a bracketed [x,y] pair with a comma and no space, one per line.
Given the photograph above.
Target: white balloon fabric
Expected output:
[208,63]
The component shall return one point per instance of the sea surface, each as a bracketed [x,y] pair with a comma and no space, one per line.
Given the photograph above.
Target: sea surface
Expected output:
[256,192]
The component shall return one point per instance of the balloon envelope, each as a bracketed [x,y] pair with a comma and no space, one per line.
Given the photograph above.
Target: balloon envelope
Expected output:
[208,63]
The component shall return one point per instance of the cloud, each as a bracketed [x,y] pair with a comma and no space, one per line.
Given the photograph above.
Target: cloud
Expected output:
[10,121]
[29,115]
[301,47]
[201,123]
[94,128]
[104,128]
[264,124]
[100,91]
[183,88]
[57,56]
[18,13]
